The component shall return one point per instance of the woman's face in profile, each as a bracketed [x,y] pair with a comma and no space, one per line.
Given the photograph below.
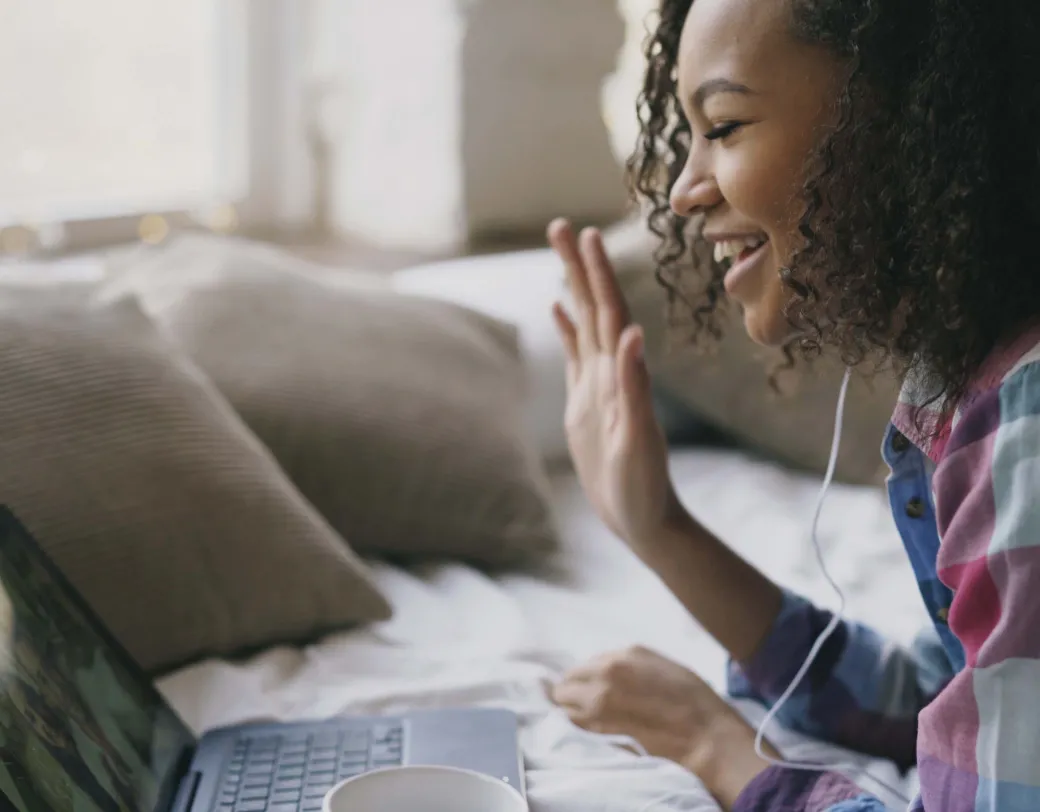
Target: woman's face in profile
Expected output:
[758,101]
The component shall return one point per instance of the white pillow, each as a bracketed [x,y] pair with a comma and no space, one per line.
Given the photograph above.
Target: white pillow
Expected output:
[518,288]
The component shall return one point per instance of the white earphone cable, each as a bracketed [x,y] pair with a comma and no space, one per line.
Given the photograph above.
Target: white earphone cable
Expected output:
[834,623]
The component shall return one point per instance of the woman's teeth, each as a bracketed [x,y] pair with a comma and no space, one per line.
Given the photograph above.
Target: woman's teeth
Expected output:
[730,249]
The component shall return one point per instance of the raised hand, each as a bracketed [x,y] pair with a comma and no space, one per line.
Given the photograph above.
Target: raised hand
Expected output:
[616,444]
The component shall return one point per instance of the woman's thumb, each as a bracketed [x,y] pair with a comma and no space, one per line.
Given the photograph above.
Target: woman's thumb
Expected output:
[633,378]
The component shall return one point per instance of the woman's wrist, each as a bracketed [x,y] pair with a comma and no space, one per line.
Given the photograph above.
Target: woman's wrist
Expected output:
[676,521]
[726,761]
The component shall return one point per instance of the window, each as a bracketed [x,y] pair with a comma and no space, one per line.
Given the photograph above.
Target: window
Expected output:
[122,115]
[111,104]
[622,89]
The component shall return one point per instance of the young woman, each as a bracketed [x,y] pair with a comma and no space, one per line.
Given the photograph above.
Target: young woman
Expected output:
[868,172]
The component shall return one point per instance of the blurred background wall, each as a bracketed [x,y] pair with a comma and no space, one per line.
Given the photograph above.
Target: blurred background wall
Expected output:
[421,127]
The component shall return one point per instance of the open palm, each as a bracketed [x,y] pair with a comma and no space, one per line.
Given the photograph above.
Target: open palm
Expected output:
[616,444]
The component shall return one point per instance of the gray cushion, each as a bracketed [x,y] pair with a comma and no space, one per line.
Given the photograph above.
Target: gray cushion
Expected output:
[399,417]
[153,497]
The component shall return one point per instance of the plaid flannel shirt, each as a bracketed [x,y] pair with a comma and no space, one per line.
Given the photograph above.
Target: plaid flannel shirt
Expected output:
[961,704]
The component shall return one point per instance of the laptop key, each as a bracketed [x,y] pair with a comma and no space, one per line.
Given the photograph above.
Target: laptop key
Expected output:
[356,742]
[383,751]
[251,806]
[382,733]
[326,738]
[265,743]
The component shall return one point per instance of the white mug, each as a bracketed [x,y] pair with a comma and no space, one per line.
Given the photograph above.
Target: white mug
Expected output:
[423,789]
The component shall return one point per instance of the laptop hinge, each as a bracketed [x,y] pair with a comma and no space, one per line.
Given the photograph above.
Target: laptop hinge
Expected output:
[186,793]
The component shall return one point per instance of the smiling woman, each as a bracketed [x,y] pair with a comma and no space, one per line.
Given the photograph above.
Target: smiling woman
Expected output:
[866,185]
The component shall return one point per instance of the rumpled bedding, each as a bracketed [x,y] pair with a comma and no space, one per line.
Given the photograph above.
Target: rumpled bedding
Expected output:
[462,638]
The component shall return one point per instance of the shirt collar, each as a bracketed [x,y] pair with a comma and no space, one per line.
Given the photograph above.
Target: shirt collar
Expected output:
[919,415]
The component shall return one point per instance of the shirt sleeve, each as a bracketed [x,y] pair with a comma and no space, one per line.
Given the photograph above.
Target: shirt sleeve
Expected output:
[862,692]
[781,790]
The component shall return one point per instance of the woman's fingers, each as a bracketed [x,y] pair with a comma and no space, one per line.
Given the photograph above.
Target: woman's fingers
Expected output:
[633,378]
[563,241]
[569,338]
[571,694]
[611,310]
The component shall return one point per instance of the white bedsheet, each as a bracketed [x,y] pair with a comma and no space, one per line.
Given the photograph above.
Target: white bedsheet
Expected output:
[461,638]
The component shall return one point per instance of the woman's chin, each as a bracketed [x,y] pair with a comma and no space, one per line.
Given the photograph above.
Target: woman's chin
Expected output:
[766,326]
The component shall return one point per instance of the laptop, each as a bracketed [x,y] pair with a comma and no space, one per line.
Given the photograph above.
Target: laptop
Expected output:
[82,728]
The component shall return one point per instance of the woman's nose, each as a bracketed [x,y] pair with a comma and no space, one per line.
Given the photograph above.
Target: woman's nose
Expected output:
[694,192]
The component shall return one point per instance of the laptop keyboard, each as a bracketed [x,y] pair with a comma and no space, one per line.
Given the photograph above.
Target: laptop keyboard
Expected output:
[292,772]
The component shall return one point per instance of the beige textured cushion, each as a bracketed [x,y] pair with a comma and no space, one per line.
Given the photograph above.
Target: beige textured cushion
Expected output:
[151,494]
[399,417]
[729,387]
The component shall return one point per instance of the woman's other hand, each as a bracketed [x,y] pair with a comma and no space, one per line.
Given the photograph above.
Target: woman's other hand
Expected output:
[670,711]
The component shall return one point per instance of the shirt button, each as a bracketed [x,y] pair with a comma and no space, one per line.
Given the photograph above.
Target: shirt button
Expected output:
[900,443]
[915,508]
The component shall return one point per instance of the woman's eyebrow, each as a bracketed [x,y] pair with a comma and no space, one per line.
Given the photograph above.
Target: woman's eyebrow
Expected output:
[713,87]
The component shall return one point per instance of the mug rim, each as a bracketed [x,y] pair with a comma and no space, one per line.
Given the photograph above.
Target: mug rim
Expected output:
[421,768]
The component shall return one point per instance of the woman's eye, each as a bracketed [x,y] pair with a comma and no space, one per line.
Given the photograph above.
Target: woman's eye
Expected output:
[722,130]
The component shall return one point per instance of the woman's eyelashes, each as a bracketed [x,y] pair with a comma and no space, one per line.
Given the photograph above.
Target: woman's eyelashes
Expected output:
[722,130]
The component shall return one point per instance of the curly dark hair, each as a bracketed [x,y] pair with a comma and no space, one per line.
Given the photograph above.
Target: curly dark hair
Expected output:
[919,203]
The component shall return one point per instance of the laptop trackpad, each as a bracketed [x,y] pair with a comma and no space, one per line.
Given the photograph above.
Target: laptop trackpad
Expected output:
[482,740]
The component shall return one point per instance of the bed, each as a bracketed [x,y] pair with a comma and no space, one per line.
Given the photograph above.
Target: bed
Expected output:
[459,637]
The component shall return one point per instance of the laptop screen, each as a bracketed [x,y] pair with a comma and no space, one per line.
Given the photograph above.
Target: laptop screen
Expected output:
[81,728]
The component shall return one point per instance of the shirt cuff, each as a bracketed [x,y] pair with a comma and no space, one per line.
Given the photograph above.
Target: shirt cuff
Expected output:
[778,657]
[779,789]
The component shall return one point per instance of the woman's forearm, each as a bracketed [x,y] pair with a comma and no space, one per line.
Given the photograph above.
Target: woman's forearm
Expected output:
[732,600]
